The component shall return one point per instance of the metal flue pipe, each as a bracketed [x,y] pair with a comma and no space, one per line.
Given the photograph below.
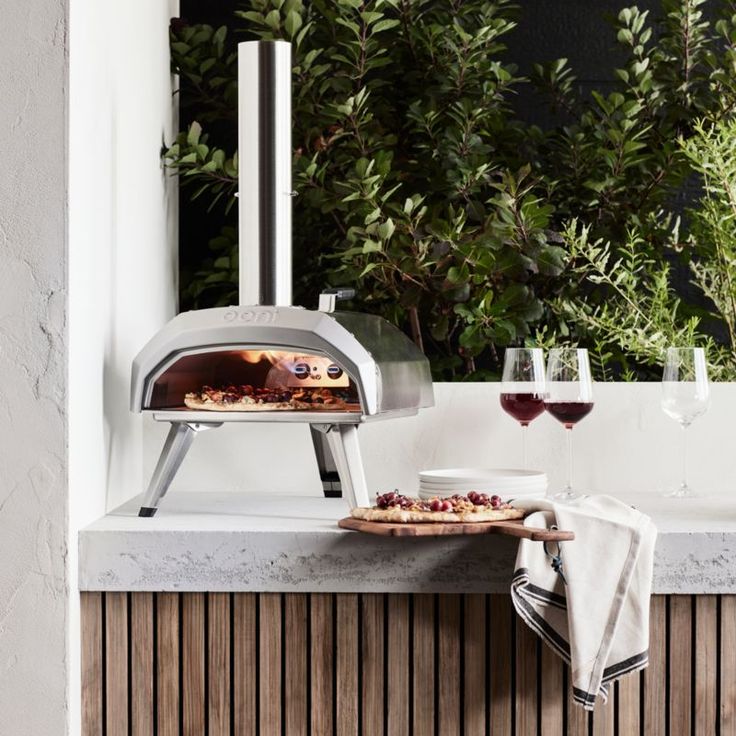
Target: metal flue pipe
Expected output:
[264,180]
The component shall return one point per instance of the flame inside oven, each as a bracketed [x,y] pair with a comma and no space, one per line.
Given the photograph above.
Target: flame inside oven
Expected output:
[256,356]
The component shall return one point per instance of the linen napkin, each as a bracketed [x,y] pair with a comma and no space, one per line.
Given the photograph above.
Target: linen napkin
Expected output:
[589,598]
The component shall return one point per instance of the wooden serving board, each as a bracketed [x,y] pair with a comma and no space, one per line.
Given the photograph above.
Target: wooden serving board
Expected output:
[508,527]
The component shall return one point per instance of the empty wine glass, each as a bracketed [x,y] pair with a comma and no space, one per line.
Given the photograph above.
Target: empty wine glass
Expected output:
[522,388]
[685,396]
[569,398]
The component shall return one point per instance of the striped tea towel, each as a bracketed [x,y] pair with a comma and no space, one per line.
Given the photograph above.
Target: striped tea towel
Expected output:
[588,599]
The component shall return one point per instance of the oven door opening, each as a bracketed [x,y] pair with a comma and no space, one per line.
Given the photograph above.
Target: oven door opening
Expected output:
[252,380]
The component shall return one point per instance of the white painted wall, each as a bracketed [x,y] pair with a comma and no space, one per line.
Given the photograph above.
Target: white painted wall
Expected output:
[122,249]
[626,444]
[33,545]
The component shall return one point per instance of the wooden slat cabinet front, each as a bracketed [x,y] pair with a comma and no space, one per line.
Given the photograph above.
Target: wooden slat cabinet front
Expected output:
[196,664]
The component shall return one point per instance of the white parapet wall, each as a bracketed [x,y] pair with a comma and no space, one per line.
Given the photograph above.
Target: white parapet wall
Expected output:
[626,444]
[122,250]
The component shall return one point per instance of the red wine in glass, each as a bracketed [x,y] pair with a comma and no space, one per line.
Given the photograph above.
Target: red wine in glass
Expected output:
[522,388]
[569,398]
[568,412]
[524,407]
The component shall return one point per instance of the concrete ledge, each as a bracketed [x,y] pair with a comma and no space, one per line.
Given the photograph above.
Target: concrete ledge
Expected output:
[233,542]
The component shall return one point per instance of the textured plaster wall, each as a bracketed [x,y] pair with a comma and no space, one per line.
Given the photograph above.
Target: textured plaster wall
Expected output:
[33,487]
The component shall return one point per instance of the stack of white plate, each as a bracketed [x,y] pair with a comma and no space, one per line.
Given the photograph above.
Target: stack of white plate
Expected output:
[504,482]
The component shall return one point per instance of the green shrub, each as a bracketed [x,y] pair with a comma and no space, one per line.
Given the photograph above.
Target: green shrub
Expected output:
[452,219]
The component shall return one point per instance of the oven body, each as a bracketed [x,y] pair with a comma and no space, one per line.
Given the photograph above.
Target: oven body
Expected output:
[333,371]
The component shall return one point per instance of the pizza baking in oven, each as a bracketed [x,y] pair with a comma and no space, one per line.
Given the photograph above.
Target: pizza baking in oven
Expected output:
[247,398]
[474,507]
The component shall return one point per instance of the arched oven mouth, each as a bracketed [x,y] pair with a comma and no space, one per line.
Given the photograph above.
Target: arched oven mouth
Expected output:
[237,378]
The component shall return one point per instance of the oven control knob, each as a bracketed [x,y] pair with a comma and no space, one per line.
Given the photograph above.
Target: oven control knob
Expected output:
[301,371]
[334,371]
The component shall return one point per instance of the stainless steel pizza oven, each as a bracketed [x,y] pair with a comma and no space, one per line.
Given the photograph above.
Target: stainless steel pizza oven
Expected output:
[268,361]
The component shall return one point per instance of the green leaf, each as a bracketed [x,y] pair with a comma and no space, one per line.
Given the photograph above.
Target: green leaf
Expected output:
[386,229]
[385,25]
[195,131]
[273,20]
[293,23]
[372,246]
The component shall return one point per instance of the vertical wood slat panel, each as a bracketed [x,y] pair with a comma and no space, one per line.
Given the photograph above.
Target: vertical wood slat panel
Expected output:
[552,689]
[192,664]
[372,662]
[577,718]
[604,715]
[92,663]
[116,654]
[448,645]
[141,642]
[501,695]
[482,690]
[680,665]
[628,703]
[398,665]
[168,664]
[474,679]
[245,674]
[346,666]
[706,668]
[526,679]
[269,664]
[424,701]
[322,664]
[655,675]
[218,668]
[295,672]
[727,674]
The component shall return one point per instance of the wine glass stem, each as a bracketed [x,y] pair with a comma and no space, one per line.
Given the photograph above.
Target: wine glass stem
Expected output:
[568,431]
[684,455]
[524,426]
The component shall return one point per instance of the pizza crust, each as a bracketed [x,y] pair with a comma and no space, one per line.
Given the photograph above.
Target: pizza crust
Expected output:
[404,516]
[192,402]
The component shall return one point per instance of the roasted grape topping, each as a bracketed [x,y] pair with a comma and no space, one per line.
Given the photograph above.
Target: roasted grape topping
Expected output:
[457,503]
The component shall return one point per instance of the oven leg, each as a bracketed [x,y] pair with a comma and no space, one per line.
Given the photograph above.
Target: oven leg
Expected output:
[343,443]
[179,440]
[325,461]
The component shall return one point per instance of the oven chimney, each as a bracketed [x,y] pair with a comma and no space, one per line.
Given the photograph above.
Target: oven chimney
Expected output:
[264,180]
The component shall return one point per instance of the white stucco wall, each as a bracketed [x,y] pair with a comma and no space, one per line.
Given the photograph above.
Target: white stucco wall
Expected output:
[33,97]
[626,444]
[122,250]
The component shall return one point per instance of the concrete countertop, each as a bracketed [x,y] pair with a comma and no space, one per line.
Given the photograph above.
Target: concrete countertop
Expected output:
[237,542]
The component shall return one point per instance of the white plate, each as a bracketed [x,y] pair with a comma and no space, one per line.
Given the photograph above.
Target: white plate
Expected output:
[477,475]
[465,483]
[494,489]
[488,482]
[462,483]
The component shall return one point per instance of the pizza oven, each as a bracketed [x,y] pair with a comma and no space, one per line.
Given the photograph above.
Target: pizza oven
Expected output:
[265,360]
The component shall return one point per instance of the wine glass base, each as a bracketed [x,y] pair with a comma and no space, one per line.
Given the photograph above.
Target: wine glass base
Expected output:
[566,496]
[682,492]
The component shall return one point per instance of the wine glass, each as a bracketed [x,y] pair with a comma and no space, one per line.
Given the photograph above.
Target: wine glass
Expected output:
[569,398]
[522,388]
[685,396]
